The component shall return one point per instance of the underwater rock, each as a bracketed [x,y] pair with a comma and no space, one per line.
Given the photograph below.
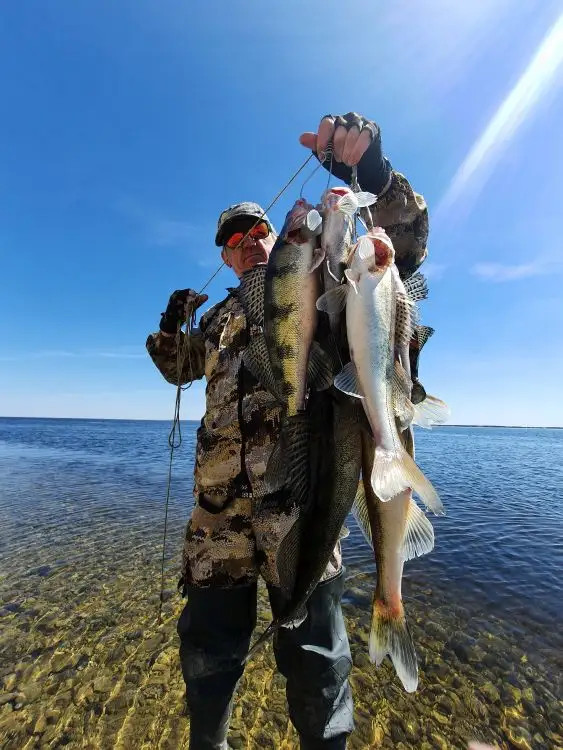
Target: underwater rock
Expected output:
[519,737]
[490,692]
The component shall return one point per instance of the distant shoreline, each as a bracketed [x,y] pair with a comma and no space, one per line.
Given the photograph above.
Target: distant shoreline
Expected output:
[197,421]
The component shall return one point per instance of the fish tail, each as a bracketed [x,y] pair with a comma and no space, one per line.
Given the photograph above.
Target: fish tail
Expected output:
[390,634]
[296,619]
[430,411]
[395,471]
[266,635]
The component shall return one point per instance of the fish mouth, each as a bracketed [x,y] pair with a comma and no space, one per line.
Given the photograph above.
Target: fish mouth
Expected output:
[384,255]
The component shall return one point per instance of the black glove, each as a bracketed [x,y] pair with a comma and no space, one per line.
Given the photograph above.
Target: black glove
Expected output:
[374,169]
[176,313]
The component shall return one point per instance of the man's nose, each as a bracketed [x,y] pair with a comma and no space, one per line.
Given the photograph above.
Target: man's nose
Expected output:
[248,242]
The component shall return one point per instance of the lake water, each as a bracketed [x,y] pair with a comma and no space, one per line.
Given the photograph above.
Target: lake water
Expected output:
[84,662]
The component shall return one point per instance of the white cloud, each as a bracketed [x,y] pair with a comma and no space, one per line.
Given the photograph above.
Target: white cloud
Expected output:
[537,79]
[433,271]
[502,272]
[169,232]
[119,353]
[158,229]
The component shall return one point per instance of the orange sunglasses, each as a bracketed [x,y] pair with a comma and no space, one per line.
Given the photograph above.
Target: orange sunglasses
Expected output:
[259,232]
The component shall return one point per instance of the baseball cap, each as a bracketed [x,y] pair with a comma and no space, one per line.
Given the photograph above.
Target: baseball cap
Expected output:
[253,210]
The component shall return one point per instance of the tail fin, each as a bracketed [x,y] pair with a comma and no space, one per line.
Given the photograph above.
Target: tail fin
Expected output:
[266,635]
[297,619]
[390,635]
[395,471]
[431,411]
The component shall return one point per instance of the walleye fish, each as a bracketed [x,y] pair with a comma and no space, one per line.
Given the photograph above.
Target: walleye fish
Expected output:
[337,208]
[398,531]
[379,322]
[286,359]
[281,296]
[335,462]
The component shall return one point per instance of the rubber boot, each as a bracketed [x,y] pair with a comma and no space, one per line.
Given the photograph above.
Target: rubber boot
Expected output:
[315,658]
[215,628]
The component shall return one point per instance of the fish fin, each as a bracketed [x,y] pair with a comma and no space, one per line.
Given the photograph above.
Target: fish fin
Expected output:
[395,471]
[416,287]
[288,465]
[268,633]
[333,301]
[401,388]
[353,279]
[344,533]
[338,281]
[364,248]
[405,317]
[318,257]
[390,635]
[251,293]
[314,220]
[419,534]
[365,199]
[319,368]
[347,381]
[298,618]
[287,557]
[257,361]
[431,411]
[348,204]
[275,476]
[418,393]
[360,512]
[423,333]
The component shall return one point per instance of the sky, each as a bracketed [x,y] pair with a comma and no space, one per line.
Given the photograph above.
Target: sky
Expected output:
[125,128]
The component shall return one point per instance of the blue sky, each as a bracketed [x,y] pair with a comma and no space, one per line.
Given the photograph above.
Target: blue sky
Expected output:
[127,127]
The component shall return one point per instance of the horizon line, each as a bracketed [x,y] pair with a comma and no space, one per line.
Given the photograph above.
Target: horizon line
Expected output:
[196,421]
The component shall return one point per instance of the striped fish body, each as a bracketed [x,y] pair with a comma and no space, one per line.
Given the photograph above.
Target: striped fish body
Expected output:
[290,317]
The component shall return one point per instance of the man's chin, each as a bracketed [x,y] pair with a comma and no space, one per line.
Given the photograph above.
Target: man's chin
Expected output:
[254,260]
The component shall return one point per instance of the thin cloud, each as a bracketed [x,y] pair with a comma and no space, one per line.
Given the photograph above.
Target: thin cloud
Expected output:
[434,271]
[498,272]
[120,353]
[158,230]
[514,110]
[169,232]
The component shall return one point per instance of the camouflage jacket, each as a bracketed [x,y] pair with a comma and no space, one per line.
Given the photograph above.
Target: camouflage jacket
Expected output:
[241,421]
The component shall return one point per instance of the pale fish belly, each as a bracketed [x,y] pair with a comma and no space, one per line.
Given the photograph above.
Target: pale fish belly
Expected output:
[368,320]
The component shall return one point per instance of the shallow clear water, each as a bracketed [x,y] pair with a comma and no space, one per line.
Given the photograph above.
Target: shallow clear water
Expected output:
[84,662]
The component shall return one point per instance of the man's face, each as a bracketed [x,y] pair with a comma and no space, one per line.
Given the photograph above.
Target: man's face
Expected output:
[253,249]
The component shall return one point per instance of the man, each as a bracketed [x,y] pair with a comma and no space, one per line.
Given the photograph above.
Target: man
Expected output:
[231,540]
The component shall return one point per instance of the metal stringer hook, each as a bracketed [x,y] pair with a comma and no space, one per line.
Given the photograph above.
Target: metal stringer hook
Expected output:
[363,215]
[327,154]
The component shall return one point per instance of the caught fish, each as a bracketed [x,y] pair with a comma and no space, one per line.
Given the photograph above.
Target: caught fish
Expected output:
[335,462]
[338,207]
[281,296]
[285,358]
[379,321]
[398,531]
[420,336]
